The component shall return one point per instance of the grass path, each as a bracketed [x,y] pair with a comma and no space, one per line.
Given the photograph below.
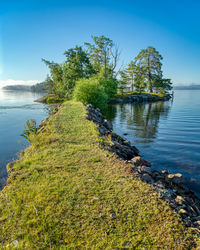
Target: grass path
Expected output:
[64,192]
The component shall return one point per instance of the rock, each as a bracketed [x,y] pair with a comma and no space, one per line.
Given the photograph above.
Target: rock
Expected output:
[176,179]
[197,210]
[182,211]
[164,171]
[179,200]
[147,178]
[123,151]
[197,222]
[107,124]
[144,169]
[103,130]
[138,161]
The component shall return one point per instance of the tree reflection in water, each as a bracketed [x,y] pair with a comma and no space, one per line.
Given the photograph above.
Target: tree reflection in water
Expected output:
[142,118]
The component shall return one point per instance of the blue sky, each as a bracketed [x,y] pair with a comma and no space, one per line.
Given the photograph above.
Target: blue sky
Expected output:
[31,30]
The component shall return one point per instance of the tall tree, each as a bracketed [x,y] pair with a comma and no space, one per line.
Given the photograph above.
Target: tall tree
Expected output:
[103,53]
[149,63]
[128,74]
[64,76]
[139,80]
[131,72]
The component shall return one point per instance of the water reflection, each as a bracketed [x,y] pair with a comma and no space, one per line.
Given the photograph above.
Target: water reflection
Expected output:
[142,119]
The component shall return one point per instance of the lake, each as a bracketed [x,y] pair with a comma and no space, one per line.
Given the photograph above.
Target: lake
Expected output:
[15,109]
[166,133]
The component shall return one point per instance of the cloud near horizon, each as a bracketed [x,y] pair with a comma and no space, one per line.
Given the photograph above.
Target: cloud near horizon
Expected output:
[18,82]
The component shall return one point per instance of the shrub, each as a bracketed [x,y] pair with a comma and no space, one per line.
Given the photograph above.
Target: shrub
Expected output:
[110,86]
[89,91]
[30,129]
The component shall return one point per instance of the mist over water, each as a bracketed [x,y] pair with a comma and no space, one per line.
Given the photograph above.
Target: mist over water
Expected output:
[166,133]
[15,109]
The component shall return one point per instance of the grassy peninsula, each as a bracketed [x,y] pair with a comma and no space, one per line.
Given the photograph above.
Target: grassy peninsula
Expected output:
[67,192]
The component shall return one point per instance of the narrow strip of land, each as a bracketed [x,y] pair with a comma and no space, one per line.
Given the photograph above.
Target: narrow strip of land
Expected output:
[65,191]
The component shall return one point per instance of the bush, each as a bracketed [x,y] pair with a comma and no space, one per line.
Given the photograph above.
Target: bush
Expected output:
[89,91]
[110,86]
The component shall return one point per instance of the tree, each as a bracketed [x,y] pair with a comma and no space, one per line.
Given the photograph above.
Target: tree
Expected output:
[123,82]
[162,85]
[54,82]
[139,81]
[149,63]
[128,74]
[103,54]
[65,75]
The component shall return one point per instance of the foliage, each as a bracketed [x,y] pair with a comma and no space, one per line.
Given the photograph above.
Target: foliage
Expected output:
[140,80]
[30,129]
[127,76]
[100,61]
[110,86]
[149,66]
[103,54]
[50,85]
[123,83]
[89,91]
[64,193]
[64,76]
[162,85]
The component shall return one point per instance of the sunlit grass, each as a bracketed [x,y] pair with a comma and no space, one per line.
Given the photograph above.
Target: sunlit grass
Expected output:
[65,193]
[136,93]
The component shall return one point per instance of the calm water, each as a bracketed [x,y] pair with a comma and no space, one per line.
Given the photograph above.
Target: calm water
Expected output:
[166,133]
[15,109]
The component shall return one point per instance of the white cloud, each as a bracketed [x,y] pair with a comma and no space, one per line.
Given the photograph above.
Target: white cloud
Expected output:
[18,82]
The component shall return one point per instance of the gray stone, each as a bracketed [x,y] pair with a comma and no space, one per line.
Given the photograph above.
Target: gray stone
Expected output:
[138,161]
[175,178]
[144,169]
[147,178]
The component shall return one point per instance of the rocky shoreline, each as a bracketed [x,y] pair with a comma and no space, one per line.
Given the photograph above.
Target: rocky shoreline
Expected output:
[170,186]
[139,99]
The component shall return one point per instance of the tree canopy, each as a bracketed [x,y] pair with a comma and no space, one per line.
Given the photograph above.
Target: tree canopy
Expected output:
[98,61]
[103,54]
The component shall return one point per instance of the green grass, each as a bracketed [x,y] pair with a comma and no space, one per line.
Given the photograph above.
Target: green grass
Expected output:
[65,193]
[55,99]
[135,93]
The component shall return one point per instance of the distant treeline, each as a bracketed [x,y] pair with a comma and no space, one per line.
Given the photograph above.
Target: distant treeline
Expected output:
[39,87]
[192,86]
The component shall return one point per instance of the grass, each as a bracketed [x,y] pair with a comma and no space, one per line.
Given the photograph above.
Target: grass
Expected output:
[66,192]
[135,93]
[55,99]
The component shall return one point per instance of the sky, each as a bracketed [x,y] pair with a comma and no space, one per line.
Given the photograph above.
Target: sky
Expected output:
[32,29]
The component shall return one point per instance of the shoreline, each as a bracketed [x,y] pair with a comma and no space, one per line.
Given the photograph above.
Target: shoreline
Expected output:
[130,160]
[170,186]
[139,98]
